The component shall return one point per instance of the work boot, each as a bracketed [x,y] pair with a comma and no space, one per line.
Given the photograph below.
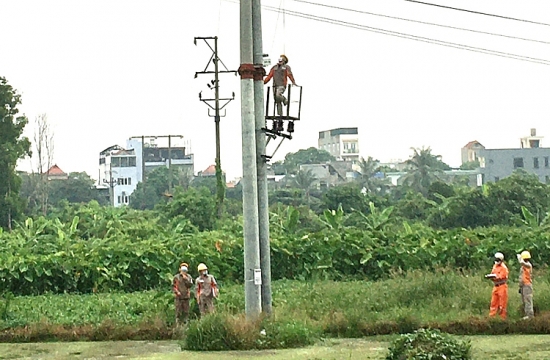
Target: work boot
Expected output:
[280,126]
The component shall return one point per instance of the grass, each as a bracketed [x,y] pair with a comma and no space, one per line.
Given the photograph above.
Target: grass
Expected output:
[445,299]
[511,347]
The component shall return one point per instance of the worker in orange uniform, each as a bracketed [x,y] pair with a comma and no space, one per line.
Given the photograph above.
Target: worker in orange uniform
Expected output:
[206,290]
[526,284]
[280,73]
[181,286]
[499,276]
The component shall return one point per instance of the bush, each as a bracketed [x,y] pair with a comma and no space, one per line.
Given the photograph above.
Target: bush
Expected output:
[218,332]
[426,344]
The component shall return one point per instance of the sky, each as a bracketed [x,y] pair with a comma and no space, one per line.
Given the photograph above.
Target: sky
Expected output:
[104,71]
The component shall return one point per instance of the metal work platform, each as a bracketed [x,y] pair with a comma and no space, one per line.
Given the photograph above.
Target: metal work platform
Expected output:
[287,113]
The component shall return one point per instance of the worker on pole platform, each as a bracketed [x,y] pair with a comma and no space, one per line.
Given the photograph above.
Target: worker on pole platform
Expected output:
[280,73]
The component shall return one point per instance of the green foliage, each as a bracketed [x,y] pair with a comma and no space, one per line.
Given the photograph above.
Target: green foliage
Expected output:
[154,191]
[13,146]
[305,156]
[424,169]
[369,179]
[349,196]
[196,205]
[218,332]
[470,165]
[426,344]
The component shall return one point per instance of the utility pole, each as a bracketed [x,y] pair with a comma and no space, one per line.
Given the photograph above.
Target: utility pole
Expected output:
[263,203]
[252,271]
[215,84]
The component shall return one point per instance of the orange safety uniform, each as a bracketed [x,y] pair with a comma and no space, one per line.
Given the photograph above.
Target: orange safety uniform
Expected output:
[499,298]
[526,287]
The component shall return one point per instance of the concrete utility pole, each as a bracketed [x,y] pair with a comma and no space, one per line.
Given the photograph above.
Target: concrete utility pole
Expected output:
[215,84]
[252,271]
[263,203]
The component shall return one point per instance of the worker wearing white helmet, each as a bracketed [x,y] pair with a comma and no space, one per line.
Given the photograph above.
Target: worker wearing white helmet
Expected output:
[526,283]
[206,290]
[499,297]
[279,73]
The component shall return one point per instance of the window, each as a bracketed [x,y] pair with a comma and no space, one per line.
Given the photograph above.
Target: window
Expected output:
[518,163]
[546,161]
[124,199]
[124,181]
[102,161]
[132,162]
[536,162]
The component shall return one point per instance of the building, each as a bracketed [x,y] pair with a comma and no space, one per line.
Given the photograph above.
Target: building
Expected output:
[122,169]
[342,143]
[470,152]
[55,173]
[497,164]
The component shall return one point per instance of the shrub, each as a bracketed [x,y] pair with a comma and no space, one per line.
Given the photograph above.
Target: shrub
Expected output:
[426,344]
[217,332]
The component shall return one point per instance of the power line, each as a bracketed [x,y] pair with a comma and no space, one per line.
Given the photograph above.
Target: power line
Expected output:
[477,12]
[420,22]
[408,36]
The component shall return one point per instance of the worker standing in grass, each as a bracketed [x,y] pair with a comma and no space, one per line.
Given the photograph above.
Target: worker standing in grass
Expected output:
[499,276]
[206,290]
[181,286]
[526,284]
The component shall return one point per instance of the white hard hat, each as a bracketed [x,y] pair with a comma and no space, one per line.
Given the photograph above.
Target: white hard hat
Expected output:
[499,255]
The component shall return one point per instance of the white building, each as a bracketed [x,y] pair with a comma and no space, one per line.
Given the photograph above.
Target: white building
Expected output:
[121,169]
[342,143]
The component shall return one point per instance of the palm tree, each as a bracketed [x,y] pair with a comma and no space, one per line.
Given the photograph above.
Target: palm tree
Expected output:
[369,180]
[423,169]
[304,180]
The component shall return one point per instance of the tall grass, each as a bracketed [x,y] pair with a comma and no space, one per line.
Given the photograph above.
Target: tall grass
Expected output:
[446,299]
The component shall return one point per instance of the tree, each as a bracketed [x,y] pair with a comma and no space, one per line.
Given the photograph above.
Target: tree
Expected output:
[13,146]
[43,146]
[306,156]
[304,180]
[78,188]
[423,169]
[196,205]
[278,168]
[370,176]
[146,197]
[348,196]
[470,165]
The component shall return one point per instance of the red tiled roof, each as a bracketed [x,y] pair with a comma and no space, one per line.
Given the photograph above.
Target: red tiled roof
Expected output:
[471,144]
[211,170]
[55,170]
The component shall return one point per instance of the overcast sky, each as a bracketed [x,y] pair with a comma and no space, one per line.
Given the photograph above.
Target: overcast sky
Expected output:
[106,70]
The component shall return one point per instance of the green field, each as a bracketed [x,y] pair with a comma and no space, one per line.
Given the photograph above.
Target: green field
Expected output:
[517,347]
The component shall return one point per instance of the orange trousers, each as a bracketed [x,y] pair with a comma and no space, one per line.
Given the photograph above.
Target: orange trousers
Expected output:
[499,301]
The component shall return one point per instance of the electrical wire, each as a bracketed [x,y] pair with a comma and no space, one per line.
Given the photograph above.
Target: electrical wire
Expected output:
[407,36]
[477,12]
[276,25]
[420,22]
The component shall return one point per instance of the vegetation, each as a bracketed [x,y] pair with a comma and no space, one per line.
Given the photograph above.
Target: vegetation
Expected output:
[447,300]
[425,344]
[13,146]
